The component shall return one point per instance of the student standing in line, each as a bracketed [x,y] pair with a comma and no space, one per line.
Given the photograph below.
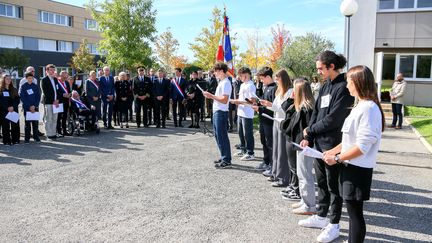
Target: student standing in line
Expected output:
[358,151]
[30,97]
[9,101]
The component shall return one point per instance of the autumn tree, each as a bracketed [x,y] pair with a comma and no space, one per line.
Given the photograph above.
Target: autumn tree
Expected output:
[166,47]
[179,61]
[299,56]
[255,55]
[280,40]
[82,60]
[127,29]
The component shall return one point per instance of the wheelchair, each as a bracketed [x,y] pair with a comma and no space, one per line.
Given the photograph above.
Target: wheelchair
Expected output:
[79,124]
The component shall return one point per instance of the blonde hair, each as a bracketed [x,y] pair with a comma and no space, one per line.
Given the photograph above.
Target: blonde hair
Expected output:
[303,96]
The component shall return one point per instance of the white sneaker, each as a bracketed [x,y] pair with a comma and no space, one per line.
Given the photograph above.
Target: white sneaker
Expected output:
[304,210]
[329,233]
[314,221]
[248,157]
[297,204]
[239,154]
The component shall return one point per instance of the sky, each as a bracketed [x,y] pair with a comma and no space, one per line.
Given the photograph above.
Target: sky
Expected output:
[186,18]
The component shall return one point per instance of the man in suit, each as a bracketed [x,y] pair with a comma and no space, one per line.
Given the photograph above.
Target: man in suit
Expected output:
[142,89]
[52,94]
[211,88]
[178,86]
[107,92]
[93,91]
[161,89]
[65,90]
[203,84]
[153,77]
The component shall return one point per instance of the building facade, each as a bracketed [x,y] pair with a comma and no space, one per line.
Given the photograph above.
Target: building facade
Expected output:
[392,36]
[46,31]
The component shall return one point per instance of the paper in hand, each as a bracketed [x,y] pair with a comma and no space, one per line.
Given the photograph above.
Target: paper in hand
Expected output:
[308,151]
[272,118]
[35,116]
[78,82]
[199,87]
[58,109]
[12,116]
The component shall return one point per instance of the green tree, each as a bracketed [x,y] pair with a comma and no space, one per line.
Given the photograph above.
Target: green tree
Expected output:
[207,42]
[127,29]
[82,60]
[166,47]
[13,60]
[299,56]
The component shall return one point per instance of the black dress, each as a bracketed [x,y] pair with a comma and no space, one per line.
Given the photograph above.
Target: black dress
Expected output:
[193,104]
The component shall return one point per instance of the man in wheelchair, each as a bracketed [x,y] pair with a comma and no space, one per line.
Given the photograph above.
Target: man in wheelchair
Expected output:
[82,109]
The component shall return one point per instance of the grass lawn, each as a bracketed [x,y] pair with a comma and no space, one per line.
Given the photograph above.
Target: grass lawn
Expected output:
[424,127]
[418,111]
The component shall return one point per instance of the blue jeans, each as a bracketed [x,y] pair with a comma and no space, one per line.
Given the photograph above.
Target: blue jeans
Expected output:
[397,113]
[220,128]
[107,107]
[245,131]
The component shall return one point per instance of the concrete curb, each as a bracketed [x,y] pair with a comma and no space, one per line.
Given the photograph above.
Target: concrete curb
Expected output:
[422,139]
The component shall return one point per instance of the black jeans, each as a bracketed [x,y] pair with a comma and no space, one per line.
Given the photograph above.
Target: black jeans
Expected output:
[62,119]
[397,113]
[11,131]
[328,190]
[357,225]
[142,105]
[292,161]
[266,137]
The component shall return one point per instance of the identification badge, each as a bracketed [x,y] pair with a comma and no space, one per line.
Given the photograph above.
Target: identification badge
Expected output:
[56,86]
[30,92]
[5,93]
[347,125]
[325,101]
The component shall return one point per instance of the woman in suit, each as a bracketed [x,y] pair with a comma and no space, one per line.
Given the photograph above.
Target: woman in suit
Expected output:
[124,95]
[93,92]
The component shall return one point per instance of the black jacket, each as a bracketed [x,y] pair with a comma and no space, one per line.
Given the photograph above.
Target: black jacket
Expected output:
[48,91]
[8,101]
[326,123]
[269,94]
[298,122]
[161,89]
[142,88]
[68,89]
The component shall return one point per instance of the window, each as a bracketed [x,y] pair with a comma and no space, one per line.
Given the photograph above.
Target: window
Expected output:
[90,24]
[424,64]
[386,4]
[404,5]
[9,41]
[53,18]
[424,4]
[93,49]
[10,11]
[47,45]
[389,66]
[64,46]
[406,65]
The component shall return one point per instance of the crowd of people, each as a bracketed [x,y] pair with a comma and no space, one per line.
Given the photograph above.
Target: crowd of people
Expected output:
[342,118]
[343,121]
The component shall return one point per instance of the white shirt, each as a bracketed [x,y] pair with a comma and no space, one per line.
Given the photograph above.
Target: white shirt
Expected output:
[224,88]
[54,87]
[277,104]
[246,91]
[363,127]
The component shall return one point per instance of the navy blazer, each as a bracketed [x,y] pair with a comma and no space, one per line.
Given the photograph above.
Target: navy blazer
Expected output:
[107,86]
[30,96]
[161,89]
[174,94]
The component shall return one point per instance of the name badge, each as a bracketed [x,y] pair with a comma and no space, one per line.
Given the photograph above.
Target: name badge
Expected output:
[325,101]
[30,91]
[347,125]
[5,93]
[56,86]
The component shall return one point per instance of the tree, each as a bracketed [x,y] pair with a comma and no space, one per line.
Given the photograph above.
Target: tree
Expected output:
[82,60]
[255,55]
[299,56]
[179,61]
[13,60]
[127,29]
[166,47]
[207,42]
[188,69]
[281,38]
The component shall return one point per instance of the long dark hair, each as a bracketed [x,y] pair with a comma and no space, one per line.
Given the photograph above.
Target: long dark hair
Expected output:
[13,92]
[364,83]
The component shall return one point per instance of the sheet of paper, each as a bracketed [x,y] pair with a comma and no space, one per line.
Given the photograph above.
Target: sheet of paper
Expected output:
[272,118]
[35,116]
[310,152]
[199,87]
[13,116]
[58,109]
[78,82]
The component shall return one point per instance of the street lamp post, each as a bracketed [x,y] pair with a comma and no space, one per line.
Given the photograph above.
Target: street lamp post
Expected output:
[348,8]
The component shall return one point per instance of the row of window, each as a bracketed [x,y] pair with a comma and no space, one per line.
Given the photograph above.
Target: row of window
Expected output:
[413,66]
[12,11]
[404,4]
[7,41]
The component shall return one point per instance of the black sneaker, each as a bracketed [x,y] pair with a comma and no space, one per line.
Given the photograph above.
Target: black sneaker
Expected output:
[223,164]
[217,161]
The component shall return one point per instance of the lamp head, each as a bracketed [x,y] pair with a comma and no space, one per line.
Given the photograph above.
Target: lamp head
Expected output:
[348,7]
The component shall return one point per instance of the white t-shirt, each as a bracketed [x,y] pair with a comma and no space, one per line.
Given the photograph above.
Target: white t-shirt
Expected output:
[246,91]
[224,88]
[277,104]
[363,128]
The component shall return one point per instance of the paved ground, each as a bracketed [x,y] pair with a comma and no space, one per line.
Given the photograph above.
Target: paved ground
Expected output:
[151,185]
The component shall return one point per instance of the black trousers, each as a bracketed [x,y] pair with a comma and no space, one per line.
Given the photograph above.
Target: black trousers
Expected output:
[397,113]
[28,126]
[329,199]
[10,131]
[150,113]
[292,162]
[160,109]
[266,137]
[357,225]
[181,111]
[123,108]
[142,105]
[62,119]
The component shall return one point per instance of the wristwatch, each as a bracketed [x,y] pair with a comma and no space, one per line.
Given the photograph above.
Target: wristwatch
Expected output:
[337,159]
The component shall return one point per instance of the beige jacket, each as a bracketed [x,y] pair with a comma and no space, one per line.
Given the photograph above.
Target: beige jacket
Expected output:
[398,90]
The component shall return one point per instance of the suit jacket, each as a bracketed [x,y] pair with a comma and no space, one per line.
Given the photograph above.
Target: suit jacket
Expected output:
[107,86]
[161,88]
[48,90]
[93,90]
[174,94]
[142,88]
[62,91]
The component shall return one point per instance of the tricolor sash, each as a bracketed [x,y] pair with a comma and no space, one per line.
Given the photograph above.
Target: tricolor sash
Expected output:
[178,88]
[80,104]
[97,86]
[63,86]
